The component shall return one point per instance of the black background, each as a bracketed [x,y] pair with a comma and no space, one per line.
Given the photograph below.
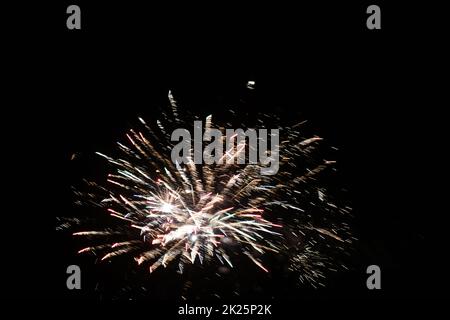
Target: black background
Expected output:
[371,92]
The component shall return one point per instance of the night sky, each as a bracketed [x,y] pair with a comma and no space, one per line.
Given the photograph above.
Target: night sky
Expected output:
[363,90]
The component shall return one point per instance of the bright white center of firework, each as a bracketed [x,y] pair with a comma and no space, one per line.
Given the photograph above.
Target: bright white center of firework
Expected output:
[166,207]
[194,237]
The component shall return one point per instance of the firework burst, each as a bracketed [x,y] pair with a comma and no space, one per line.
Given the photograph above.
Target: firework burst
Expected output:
[172,213]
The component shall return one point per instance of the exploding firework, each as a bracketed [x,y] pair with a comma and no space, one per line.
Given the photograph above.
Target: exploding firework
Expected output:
[185,213]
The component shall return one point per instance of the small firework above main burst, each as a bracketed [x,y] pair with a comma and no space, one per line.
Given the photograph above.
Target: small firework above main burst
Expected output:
[186,213]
